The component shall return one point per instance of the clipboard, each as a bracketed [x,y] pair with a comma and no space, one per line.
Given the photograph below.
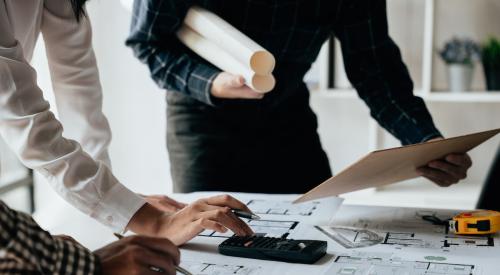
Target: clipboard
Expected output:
[388,166]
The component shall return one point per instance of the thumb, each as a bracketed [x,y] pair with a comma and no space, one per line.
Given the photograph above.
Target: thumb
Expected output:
[236,81]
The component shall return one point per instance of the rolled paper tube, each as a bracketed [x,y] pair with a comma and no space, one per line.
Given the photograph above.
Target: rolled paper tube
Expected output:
[224,61]
[227,37]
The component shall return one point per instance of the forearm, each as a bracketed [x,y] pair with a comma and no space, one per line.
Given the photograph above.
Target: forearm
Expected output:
[35,135]
[175,68]
[388,92]
[375,67]
[172,65]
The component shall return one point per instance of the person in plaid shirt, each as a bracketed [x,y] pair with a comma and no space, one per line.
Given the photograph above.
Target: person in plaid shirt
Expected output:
[221,135]
[25,249]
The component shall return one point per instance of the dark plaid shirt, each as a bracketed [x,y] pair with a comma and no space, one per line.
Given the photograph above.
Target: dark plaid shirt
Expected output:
[293,30]
[25,249]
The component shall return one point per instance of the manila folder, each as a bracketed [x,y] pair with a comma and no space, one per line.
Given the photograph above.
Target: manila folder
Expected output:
[393,165]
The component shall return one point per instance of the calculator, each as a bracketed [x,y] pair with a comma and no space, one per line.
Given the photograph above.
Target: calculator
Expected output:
[274,249]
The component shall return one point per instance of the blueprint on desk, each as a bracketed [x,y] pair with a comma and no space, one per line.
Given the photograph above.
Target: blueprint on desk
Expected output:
[405,229]
[406,244]
[358,263]
[367,240]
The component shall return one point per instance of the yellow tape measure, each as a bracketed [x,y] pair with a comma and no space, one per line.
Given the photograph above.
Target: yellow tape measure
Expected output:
[476,222]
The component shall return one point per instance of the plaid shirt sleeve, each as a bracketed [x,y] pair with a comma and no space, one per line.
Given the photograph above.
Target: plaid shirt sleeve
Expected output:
[172,65]
[25,248]
[374,66]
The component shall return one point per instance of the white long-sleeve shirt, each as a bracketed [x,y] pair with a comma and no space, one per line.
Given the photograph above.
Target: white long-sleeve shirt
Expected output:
[72,152]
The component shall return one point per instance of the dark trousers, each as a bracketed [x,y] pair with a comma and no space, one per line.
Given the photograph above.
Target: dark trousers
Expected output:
[244,147]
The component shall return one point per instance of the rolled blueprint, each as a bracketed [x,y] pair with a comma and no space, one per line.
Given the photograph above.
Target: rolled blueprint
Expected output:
[223,60]
[231,40]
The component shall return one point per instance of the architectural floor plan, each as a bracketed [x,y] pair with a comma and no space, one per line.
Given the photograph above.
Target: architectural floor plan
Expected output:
[205,268]
[387,264]
[407,229]
[283,207]
[268,228]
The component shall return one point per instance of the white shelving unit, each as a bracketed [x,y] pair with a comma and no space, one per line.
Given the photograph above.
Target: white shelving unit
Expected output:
[430,23]
[425,88]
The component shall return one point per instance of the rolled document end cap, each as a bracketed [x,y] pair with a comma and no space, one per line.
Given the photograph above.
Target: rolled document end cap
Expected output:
[262,62]
[263,83]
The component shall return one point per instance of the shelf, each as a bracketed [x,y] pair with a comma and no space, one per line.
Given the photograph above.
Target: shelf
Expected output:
[337,93]
[441,96]
[475,96]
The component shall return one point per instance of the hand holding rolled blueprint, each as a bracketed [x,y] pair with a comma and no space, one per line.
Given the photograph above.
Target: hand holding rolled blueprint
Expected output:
[225,47]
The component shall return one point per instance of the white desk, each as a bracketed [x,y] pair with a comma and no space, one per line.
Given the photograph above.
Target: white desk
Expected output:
[427,249]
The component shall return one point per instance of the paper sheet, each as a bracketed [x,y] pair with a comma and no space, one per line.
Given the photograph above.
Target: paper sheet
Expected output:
[231,40]
[410,244]
[368,263]
[223,60]
[388,166]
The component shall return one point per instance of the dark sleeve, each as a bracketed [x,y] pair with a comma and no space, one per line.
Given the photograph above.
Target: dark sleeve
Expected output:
[172,65]
[375,68]
[25,248]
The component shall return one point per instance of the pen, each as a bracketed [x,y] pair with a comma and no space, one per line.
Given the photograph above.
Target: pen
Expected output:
[245,214]
[159,269]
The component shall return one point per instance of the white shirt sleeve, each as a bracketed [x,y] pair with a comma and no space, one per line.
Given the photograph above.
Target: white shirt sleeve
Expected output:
[75,78]
[31,130]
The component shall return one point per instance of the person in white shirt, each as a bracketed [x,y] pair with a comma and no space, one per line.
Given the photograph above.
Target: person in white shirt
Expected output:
[72,153]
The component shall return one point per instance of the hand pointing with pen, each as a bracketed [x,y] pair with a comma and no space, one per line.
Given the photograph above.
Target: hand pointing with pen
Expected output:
[214,213]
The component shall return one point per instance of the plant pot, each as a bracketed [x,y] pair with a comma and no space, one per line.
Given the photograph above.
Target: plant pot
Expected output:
[460,77]
[492,75]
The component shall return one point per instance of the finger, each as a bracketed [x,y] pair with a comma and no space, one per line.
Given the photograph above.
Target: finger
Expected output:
[244,225]
[243,92]
[227,201]
[236,81]
[211,225]
[457,172]
[194,229]
[204,208]
[438,181]
[160,245]
[155,262]
[439,177]
[225,217]
[462,160]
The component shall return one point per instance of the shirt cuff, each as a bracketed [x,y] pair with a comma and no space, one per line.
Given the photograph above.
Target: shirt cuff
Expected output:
[118,207]
[200,83]
[419,134]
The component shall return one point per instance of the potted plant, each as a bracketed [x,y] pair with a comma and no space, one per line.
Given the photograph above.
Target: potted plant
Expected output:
[491,63]
[460,56]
